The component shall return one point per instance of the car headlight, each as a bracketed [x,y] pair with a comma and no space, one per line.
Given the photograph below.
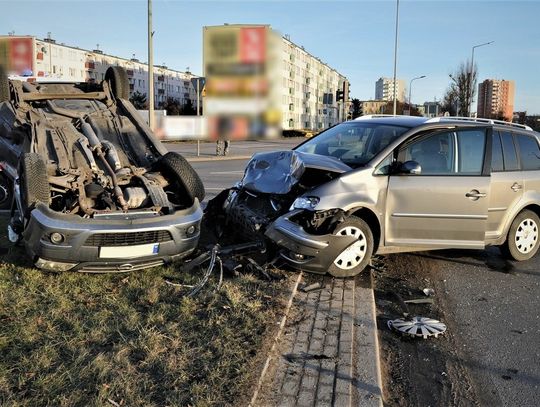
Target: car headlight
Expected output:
[305,202]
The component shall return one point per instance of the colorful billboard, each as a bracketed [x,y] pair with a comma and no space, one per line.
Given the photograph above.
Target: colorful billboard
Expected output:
[239,70]
[16,55]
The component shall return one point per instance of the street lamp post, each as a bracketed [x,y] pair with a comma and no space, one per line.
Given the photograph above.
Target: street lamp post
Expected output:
[150,68]
[395,56]
[471,74]
[410,90]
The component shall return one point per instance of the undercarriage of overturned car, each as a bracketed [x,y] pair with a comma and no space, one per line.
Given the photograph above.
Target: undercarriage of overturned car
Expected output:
[92,188]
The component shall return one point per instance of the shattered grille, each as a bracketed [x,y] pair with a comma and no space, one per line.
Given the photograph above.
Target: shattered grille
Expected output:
[129,239]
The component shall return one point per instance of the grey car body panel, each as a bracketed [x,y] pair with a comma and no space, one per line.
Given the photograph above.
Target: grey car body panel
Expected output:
[320,250]
[43,221]
[277,172]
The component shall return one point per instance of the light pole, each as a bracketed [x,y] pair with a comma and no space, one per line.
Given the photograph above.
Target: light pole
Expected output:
[471,74]
[410,90]
[150,68]
[395,56]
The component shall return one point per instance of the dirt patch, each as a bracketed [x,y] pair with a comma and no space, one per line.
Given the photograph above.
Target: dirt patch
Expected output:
[416,371]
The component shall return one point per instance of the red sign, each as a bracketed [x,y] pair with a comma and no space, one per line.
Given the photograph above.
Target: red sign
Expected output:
[253,45]
[20,54]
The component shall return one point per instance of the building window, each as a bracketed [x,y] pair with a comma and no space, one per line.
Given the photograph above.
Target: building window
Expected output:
[291,107]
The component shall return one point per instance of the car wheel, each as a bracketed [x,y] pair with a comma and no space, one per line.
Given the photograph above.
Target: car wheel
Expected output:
[523,236]
[4,85]
[177,170]
[118,82]
[6,190]
[33,181]
[354,258]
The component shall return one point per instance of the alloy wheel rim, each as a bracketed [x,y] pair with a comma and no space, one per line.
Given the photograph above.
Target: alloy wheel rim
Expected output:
[526,236]
[353,255]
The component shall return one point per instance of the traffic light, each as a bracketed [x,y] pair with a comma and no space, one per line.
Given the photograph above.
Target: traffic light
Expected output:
[339,95]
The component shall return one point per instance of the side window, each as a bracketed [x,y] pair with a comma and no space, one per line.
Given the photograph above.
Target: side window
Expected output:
[434,153]
[471,145]
[509,152]
[529,153]
[384,167]
[497,163]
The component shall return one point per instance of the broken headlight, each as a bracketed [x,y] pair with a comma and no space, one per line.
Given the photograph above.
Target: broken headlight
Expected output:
[305,202]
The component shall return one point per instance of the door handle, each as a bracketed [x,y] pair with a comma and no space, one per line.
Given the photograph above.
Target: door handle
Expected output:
[475,195]
[516,187]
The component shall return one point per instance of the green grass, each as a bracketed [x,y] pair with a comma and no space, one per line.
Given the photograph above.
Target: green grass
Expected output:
[72,339]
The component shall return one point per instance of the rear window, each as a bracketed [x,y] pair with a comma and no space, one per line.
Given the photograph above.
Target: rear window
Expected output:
[509,152]
[529,152]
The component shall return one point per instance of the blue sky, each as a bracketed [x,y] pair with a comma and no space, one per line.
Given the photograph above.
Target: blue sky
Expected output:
[355,37]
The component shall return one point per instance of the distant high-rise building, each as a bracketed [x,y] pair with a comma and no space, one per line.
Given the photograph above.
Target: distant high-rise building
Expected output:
[496,99]
[384,89]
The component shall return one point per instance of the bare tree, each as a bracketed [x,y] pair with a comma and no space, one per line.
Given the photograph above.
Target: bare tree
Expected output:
[463,85]
[450,101]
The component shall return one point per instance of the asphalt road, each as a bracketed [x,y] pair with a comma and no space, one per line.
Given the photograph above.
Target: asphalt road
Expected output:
[491,306]
[217,173]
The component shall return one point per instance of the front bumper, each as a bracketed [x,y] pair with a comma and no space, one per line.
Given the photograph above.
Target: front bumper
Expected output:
[170,237]
[305,251]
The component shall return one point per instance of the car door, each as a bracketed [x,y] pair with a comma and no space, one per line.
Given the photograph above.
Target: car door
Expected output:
[445,205]
[506,183]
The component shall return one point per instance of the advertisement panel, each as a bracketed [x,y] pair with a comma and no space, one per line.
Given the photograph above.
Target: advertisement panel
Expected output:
[16,54]
[238,66]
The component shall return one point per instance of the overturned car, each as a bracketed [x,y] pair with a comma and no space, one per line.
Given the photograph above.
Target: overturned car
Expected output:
[392,184]
[89,186]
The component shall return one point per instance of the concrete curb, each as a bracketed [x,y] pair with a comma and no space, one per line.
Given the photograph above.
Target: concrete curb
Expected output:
[275,342]
[367,365]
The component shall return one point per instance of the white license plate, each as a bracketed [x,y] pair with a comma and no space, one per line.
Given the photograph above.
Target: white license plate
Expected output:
[128,252]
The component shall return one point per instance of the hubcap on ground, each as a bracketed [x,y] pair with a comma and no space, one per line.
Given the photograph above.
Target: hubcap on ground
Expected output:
[526,236]
[353,255]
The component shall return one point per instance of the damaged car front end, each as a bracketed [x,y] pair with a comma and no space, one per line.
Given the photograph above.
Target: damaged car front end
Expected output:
[317,204]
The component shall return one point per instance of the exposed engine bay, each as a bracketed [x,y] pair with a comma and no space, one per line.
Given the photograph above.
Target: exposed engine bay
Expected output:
[271,184]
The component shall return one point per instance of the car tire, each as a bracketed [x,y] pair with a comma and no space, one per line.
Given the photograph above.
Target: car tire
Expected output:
[523,237]
[6,192]
[4,85]
[33,181]
[175,168]
[356,257]
[118,82]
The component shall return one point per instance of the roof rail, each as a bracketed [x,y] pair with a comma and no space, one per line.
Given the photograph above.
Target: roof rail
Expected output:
[477,120]
[372,116]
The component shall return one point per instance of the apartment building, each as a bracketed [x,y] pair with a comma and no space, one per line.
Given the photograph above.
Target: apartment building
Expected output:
[264,79]
[31,56]
[496,99]
[384,89]
[309,90]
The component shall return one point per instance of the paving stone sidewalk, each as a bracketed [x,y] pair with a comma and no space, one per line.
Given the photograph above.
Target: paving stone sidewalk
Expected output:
[327,355]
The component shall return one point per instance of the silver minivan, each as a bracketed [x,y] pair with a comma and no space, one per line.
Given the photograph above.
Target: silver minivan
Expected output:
[382,184]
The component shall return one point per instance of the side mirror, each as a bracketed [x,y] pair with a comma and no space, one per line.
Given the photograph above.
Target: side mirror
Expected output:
[410,167]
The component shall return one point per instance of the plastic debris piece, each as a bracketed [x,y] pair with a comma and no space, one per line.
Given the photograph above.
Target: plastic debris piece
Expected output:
[418,326]
[419,301]
[429,292]
[311,287]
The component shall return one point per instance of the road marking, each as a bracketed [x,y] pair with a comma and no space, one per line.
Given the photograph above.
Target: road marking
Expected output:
[226,172]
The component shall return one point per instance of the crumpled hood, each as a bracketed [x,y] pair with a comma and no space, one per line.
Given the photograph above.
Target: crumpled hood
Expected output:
[278,171]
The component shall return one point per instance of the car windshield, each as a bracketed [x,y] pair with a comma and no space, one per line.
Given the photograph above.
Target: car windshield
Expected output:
[354,143]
